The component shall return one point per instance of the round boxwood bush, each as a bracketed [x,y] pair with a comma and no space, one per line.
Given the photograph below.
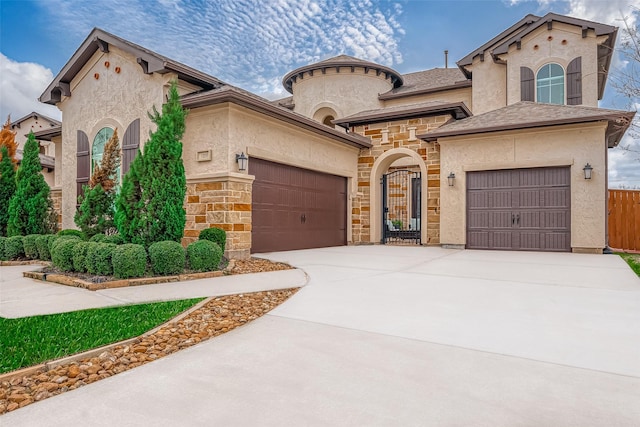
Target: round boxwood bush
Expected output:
[116,239]
[98,238]
[14,248]
[216,235]
[3,257]
[42,244]
[167,257]
[99,259]
[204,255]
[80,256]
[55,238]
[71,232]
[30,248]
[129,260]
[62,253]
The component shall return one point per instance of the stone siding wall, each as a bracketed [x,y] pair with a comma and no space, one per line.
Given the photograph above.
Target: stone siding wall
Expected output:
[221,202]
[391,135]
[56,197]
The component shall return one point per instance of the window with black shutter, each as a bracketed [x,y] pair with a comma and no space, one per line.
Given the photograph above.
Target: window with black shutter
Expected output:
[130,145]
[527,84]
[574,82]
[83,163]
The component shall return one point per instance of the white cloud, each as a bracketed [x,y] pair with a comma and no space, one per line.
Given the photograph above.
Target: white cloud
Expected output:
[244,42]
[21,85]
[624,165]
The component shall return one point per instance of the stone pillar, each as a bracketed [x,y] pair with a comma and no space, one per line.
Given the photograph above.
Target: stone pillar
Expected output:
[221,201]
[56,197]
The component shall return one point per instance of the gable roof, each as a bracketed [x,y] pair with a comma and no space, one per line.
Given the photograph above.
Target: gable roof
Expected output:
[500,44]
[256,103]
[428,81]
[33,114]
[338,62]
[526,115]
[149,61]
[423,109]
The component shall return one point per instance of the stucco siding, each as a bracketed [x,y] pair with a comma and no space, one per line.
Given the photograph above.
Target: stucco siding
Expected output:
[489,90]
[571,145]
[345,92]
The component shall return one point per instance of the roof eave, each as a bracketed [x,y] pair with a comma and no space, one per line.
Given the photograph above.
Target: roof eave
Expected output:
[458,110]
[205,99]
[48,134]
[458,85]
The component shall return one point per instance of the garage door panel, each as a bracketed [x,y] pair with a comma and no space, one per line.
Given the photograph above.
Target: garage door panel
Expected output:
[295,208]
[523,209]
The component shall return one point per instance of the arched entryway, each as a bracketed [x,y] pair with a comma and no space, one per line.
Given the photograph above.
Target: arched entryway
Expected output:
[403,170]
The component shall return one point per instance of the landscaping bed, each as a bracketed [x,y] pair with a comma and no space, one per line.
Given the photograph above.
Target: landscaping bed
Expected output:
[214,317]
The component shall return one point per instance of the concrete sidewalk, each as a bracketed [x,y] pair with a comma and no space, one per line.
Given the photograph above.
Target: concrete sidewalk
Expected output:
[411,336]
[22,297]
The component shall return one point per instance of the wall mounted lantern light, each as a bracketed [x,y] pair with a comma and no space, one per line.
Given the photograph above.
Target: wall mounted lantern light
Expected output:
[587,171]
[451,179]
[242,160]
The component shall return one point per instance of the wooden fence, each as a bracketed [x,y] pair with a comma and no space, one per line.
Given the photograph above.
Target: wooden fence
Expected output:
[624,219]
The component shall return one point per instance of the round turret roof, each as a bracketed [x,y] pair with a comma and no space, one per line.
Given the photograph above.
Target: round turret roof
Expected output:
[340,62]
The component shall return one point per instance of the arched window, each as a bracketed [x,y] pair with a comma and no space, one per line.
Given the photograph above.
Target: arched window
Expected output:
[550,84]
[97,148]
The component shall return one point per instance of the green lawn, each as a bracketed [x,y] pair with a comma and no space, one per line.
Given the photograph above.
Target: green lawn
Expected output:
[32,340]
[633,260]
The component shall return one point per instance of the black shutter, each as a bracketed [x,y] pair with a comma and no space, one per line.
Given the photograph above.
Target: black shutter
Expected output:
[574,82]
[83,162]
[130,145]
[527,84]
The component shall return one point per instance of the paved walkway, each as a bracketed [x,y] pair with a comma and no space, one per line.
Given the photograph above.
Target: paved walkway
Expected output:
[20,297]
[388,336]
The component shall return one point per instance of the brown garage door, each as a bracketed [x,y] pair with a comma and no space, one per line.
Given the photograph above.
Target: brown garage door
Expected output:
[296,208]
[520,209]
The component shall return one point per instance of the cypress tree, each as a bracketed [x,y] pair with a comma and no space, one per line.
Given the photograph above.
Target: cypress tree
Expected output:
[7,187]
[31,208]
[129,207]
[163,179]
[95,215]
[8,139]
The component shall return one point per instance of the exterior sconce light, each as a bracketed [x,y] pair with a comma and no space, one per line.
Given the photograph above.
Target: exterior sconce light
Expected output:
[451,179]
[242,160]
[587,171]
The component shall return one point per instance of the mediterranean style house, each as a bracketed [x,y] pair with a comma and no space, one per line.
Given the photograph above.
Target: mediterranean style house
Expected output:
[506,151]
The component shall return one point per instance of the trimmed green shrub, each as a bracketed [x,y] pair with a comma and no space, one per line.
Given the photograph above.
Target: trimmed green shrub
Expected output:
[3,257]
[7,185]
[116,239]
[62,253]
[129,260]
[14,248]
[80,256]
[71,232]
[216,235]
[95,213]
[42,243]
[167,257]
[204,255]
[54,239]
[30,248]
[99,259]
[98,238]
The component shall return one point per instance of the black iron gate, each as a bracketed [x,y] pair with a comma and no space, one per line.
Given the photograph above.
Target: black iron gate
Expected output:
[401,207]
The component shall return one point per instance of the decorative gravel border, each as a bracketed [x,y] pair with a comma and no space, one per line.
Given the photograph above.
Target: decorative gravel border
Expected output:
[208,319]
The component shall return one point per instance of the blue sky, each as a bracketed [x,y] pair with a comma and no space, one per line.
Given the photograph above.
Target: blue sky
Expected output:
[252,44]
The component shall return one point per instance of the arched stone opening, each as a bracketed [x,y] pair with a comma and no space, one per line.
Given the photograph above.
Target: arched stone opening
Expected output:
[394,158]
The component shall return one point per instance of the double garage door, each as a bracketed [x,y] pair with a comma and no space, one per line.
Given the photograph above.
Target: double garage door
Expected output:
[519,209]
[295,208]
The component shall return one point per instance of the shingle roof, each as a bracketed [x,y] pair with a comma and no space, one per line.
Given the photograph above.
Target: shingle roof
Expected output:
[35,115]
[340,61]
[523,115]
[422,109]
[428,81]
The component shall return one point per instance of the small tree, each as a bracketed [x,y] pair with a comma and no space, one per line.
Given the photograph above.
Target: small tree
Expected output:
[8,139]
[31,208]
[96,211]
[7,187]
[129,207]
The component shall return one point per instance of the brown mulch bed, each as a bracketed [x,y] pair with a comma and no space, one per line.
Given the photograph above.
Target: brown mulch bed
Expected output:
[216,317]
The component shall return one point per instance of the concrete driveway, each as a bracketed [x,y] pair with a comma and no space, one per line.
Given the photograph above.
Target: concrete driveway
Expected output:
[401,336]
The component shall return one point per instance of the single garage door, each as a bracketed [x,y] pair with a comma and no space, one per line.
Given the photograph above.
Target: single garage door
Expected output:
[519,209]
[295,208]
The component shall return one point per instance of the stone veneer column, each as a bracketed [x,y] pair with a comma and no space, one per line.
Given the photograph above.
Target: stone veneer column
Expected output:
[222,201]
[56,198]
[386,136]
